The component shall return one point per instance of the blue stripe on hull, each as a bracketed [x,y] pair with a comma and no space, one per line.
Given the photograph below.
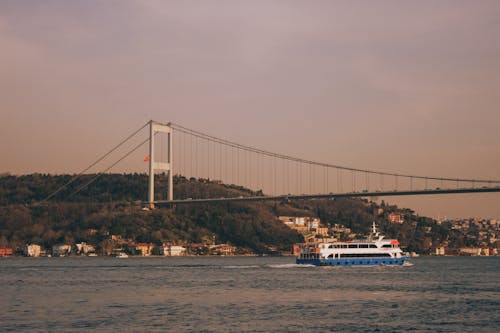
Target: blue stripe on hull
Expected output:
[354,262]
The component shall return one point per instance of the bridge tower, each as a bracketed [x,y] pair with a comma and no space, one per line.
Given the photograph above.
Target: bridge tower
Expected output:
[155,127]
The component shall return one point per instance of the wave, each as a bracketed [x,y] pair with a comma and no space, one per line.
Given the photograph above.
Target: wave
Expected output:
[290,266]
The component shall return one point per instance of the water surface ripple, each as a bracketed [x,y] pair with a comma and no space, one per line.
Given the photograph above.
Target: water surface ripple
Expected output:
[241,294]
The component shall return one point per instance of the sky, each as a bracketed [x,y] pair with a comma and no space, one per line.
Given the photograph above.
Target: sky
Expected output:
[409,87]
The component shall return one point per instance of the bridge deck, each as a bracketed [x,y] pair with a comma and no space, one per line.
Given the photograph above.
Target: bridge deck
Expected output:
[330,195]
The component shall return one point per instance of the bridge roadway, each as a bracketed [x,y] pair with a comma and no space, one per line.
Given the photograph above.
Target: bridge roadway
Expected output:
[326,196]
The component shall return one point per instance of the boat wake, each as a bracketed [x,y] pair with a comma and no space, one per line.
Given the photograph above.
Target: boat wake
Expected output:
[290,266]
[241,266]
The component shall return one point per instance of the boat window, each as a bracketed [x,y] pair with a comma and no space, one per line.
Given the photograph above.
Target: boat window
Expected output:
[373,246]
[353,246]
[363,246]
[387,245]
[365,255]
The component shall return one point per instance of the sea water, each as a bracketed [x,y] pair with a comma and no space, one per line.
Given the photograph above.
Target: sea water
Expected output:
[247,294]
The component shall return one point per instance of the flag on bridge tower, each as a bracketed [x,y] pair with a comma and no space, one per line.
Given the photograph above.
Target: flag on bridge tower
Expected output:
[147,158]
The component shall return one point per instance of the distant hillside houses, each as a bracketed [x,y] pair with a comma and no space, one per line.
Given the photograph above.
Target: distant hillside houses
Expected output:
[310,228]
[298,221]
[396,218]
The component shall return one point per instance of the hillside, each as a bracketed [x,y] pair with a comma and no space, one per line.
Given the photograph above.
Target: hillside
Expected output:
[111,206]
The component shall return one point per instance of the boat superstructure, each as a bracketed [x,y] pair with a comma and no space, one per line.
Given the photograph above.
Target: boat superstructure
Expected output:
[375,250]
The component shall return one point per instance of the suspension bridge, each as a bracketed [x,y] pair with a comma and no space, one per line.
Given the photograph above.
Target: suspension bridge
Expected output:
[177,150]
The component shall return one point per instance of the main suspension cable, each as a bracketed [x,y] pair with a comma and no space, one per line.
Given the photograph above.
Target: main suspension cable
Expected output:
[296,159]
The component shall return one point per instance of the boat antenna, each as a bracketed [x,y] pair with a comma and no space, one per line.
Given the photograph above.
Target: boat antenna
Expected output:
[374,230]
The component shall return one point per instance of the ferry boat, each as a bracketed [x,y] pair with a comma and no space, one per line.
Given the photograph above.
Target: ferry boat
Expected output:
[375,250]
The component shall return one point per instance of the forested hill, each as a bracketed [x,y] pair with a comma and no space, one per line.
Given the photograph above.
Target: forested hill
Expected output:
[111,206]
[29,189]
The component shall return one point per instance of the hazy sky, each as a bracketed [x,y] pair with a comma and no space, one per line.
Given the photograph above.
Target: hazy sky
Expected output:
[411,87]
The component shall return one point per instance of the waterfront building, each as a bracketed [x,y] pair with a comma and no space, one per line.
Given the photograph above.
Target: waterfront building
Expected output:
[222,249]
[143,249]
[61,250]
[198,249]
[172,250]
[32,250]
[440,251]
[6,251]
[470,251]
[84,248]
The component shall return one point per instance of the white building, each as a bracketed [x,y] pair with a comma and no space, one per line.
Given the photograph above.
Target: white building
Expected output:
[440,251]
[32,250]
[84,248]
[299,221]
[293,220]
[470,251]
[172,250]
